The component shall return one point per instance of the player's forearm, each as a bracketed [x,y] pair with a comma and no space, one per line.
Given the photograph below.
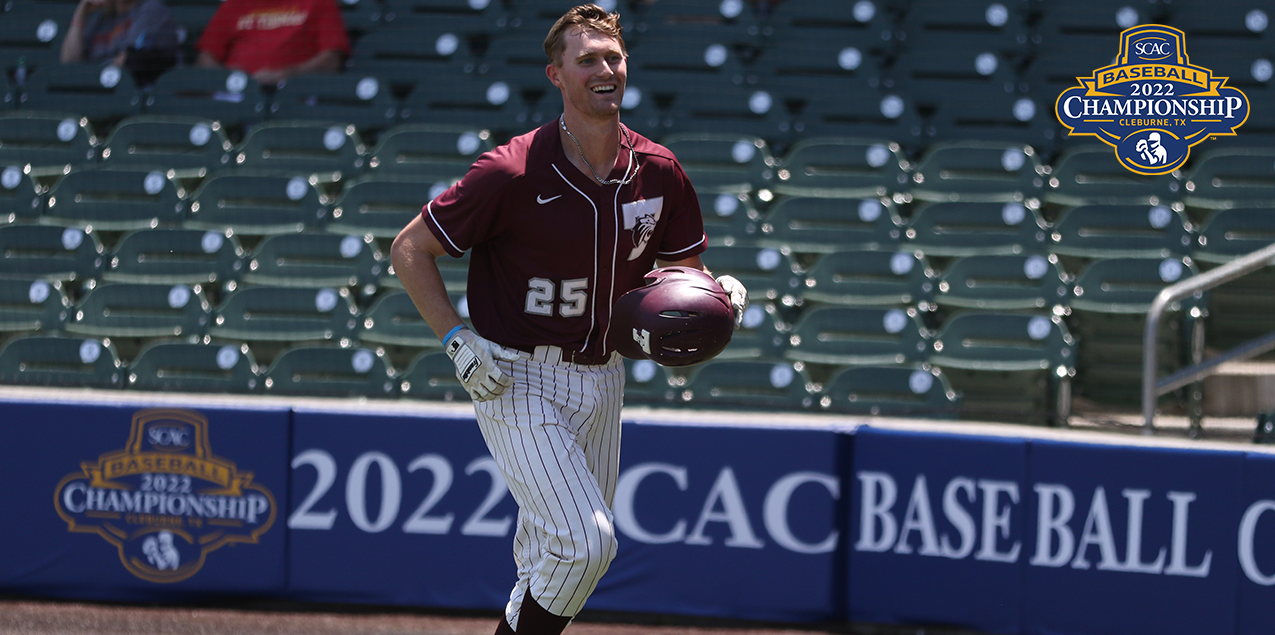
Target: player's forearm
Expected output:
[73,44]
[417,270]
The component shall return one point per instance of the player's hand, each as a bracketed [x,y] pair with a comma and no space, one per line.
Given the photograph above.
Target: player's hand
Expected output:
[738,296]
[475,360]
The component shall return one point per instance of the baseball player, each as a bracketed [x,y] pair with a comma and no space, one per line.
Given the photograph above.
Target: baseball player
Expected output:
[560,222]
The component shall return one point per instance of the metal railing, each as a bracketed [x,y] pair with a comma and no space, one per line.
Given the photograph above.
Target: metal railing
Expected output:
[1151,388]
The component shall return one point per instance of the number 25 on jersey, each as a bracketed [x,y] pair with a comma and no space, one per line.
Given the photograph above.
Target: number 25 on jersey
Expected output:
[541,294]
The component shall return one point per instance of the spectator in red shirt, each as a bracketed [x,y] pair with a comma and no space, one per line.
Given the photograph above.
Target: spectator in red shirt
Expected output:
[273,40]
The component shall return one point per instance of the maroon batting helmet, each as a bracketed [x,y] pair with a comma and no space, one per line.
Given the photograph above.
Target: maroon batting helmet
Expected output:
[681,317]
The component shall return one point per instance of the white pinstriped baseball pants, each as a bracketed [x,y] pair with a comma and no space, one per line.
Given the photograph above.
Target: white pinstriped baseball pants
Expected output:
[555,434]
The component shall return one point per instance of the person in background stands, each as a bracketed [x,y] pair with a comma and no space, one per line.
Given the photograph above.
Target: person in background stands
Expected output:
[273,40]
[135,34]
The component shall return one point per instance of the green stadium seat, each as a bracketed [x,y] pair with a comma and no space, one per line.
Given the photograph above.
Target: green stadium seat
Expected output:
[48,140]
[966,229]
[316,260]
[719,105]
[1233,177]
[998,117]
[859,108]
[187,144]
[32,33]
[730,218]
[1008,367]
[360,17]
[20,198]
[724,162]
[170,366]
[43,360]
[1090,24]
[69,253]
[286,314]
[1241,309]
[432,376]
[891,391]
[230,97]
[819,20]
[998,27]
[394,321]
[1090,174]
[363,101]
[1004,283]
[939,71]
[256,204]
[176,256]
[478,17]
[801,67]
[825,225]
[769,274]
[382,207]
[1122,231]
[1231,233]
[1109,316]
[418,150]
[330,371]
[871,278]
[859,336]
[96,92]
[456,99]
[115,199]
[403,57]
[695,15]
[332,151]
[843,168]
[32,304]
[748,385]
[977,171]
[762,334]
[121,310]
[645,383]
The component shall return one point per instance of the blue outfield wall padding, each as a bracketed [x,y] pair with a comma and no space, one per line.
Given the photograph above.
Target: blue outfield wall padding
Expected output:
[398,509]
[130,503]
[1255,541]
[1131,540]
[937,529]
[728,522]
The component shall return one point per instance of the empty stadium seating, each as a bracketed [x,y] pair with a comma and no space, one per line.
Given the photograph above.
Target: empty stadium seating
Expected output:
[855,161]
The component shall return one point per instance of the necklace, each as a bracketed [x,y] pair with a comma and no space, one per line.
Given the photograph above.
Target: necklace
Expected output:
[628,175]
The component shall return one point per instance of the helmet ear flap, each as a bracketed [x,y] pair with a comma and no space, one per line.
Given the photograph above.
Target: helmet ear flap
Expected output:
[680,317]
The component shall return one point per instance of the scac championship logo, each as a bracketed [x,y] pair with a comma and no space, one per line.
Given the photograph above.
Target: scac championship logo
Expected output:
[165,501]
[1152,105]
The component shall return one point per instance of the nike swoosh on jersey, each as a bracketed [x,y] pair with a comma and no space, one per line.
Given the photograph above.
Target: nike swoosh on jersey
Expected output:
[542,200]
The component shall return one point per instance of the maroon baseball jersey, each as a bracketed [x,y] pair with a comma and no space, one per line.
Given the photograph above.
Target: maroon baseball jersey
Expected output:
[552,248]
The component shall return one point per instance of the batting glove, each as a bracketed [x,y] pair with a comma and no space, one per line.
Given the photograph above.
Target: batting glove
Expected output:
[476,368]
[738,296]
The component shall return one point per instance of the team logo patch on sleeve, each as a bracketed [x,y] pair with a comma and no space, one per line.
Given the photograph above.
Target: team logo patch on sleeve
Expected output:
[164,500]
[1152,105]
[640,218]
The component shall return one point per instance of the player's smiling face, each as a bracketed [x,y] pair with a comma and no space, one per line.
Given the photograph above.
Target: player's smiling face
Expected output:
[592,73]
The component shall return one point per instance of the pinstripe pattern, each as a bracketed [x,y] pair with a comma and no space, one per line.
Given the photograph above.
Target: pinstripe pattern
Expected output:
[555,434]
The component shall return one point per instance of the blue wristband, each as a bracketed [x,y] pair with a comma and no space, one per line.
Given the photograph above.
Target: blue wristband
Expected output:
[452,332]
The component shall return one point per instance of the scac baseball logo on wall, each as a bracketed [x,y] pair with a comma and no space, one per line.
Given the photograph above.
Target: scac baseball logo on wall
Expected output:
[165,501]
[1152,105]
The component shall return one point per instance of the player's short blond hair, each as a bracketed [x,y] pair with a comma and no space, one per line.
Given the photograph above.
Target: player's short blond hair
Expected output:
[585,17]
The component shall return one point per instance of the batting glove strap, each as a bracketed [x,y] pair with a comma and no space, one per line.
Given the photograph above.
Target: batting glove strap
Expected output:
[738,296]
[475,360]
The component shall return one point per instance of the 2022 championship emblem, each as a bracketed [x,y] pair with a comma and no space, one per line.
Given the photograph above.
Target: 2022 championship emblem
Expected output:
[1152,105]
[165,501]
